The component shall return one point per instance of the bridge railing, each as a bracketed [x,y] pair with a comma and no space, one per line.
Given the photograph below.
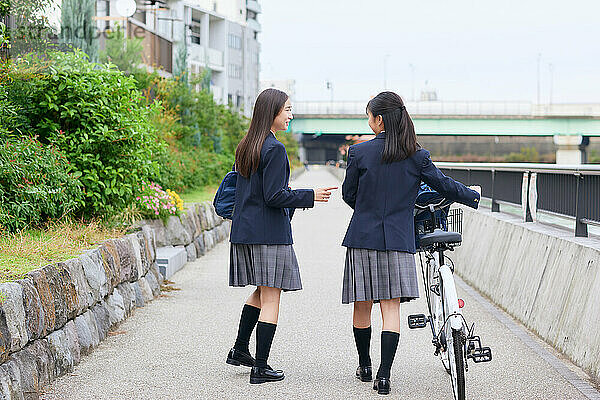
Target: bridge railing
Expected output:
[566,191]
[453,108]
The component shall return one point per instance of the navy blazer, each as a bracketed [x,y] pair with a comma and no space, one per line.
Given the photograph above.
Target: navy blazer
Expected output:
[262,202]
[383,196]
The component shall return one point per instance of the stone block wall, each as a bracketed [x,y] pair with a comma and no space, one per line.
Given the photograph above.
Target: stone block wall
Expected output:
[61,312]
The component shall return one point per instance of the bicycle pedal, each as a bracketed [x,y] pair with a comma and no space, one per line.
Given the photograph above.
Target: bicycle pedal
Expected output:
[482,354]
[416,321]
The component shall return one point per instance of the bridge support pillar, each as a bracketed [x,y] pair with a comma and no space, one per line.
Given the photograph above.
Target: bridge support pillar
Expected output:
[571,149]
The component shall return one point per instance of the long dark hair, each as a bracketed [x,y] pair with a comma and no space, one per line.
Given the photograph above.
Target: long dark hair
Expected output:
[400,137]
[268,105]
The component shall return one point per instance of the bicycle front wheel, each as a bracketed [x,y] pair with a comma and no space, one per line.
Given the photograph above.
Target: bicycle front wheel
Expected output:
[456,363]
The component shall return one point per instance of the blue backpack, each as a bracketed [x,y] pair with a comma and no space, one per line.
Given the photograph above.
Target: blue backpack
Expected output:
[224,201]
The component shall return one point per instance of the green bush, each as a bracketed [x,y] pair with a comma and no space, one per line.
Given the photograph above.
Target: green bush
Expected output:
[97,118]
[527,155]
[35,184]
[190,168]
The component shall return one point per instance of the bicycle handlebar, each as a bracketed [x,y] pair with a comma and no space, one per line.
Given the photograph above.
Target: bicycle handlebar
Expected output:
[437,206]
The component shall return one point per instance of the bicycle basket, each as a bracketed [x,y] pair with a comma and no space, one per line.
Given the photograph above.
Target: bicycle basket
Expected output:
[455,217]
[445,219]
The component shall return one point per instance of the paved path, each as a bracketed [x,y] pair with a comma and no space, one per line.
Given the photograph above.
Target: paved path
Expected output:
[175,347]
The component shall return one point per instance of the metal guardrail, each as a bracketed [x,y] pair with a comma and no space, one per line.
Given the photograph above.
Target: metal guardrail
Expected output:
[572,191]
[473,108]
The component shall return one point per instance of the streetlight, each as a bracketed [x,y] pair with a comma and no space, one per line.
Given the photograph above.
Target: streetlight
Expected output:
[412,77]
[385,62]
[329,86]
[539,60]
[551,68]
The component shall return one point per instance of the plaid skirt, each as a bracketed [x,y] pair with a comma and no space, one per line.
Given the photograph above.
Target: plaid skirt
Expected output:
[376,275]
[264,265]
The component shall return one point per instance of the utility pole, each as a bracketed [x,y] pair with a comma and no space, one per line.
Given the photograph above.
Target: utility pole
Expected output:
[539,60]
[385,63]
[412,78]
[329,86]
[551,69]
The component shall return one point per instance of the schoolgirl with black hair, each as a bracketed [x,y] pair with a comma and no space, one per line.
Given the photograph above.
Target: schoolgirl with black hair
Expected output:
[381,185]
[261,252]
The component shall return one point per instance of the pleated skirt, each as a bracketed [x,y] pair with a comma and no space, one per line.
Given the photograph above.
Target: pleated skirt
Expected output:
[264,265]
[377,275]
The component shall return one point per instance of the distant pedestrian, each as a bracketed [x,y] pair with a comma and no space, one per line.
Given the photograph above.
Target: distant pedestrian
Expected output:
[383,176]
[261,235]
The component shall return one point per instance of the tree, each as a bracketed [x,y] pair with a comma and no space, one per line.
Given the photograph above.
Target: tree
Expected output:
[125,53]
[31,29]
[78,28]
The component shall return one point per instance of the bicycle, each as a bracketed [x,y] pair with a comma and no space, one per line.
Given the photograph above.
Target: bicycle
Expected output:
[454,342]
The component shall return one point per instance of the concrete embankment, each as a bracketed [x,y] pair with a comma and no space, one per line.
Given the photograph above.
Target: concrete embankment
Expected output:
[543,276]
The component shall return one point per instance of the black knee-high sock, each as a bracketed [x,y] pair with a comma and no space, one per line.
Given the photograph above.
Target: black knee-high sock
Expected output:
[362,338]
[264,338]
[389,344]
[247,322]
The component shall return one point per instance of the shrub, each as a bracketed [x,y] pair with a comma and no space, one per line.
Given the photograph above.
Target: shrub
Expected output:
[189,167]
[96,117]
[35,184]
[527,155]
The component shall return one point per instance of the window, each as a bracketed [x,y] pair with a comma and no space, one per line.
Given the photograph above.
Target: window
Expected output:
[234,41]
[238,101]
[195,31]
[139,14]
[229,98]
[195,34]
[103,10]
[234,71]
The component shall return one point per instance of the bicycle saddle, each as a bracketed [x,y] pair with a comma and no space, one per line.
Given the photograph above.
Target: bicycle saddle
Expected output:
[439,236]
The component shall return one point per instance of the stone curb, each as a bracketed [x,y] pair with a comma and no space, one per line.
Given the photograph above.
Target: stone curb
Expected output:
[61,312]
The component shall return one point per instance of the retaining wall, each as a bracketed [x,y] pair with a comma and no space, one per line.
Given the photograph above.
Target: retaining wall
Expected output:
[61,312]
[543,276]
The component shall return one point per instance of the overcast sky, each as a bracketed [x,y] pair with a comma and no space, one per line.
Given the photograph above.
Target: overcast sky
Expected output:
[463,49]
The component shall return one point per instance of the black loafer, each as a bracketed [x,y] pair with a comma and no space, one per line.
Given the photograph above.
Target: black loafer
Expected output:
[382,385]
[365,374]
[262,375]
[237,357]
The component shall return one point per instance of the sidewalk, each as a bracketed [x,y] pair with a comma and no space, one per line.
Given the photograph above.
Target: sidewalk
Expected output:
[175,348]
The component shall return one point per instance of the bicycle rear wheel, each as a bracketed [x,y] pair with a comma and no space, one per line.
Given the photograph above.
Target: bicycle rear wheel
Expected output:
[456,363]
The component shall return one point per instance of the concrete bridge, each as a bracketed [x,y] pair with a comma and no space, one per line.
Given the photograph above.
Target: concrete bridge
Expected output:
[175,348]
[452,128]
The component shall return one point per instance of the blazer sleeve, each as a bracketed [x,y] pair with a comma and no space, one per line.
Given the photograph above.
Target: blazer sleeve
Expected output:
[276,192]
[350,185]
[448,187]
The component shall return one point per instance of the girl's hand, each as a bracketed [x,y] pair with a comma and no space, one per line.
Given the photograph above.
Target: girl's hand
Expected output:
[476,188]
[323,194]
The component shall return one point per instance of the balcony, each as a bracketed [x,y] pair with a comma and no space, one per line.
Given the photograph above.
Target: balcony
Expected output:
[253,5]
[254,25]
[215,59]
[217,92]
[212,58]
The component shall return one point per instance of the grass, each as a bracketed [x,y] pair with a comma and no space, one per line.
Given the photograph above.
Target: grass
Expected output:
[56,241]
[199,195]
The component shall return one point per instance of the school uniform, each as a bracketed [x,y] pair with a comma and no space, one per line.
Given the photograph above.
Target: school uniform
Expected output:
[261,252]
[380,239]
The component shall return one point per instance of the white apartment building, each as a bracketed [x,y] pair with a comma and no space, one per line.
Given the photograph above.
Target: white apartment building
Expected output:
[218,35]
